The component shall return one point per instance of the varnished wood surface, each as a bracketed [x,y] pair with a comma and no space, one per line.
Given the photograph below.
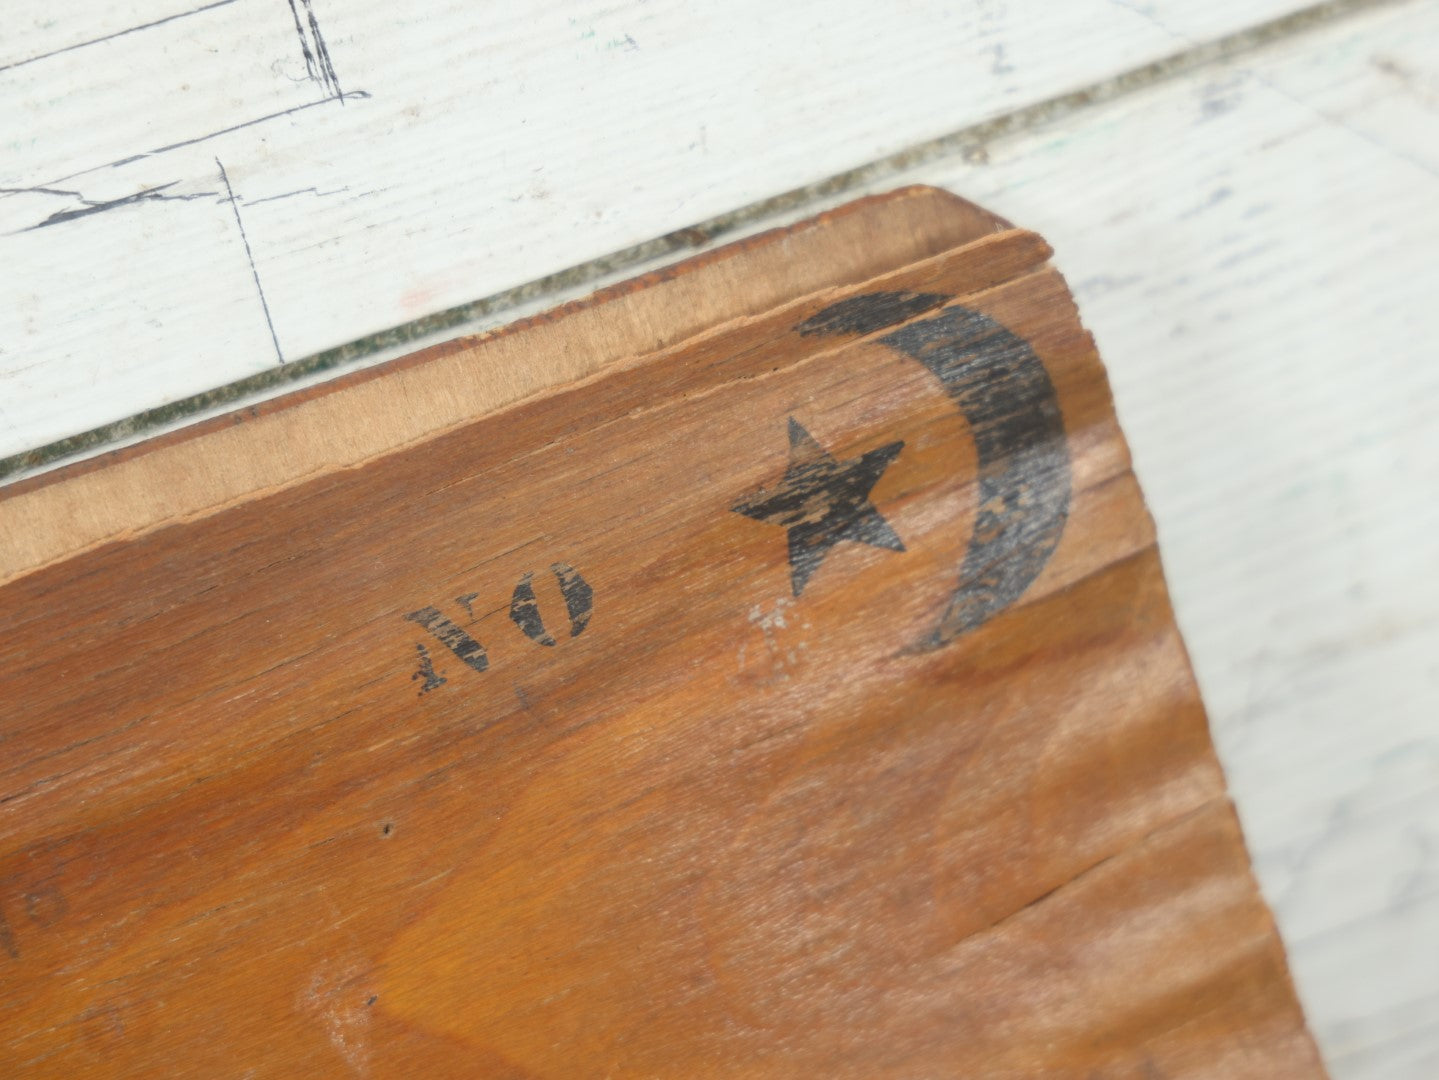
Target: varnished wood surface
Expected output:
[265,814]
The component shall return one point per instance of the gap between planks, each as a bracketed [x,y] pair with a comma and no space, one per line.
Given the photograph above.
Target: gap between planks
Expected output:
[970,141]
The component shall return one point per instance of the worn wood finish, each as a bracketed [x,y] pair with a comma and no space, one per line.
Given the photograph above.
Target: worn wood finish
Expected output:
[801,698]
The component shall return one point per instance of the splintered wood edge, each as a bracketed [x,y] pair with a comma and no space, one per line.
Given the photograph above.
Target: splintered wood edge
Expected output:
[349,421]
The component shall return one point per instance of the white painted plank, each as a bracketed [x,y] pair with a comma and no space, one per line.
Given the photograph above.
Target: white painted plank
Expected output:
[497,143]
[36,32]
[1254,251]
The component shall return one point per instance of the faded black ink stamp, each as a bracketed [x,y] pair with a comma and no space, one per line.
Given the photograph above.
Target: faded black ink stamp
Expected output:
[1002,389]
[821,501]
[575,591]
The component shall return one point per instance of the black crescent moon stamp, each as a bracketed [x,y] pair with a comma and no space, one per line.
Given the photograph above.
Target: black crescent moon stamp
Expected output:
[1001,387]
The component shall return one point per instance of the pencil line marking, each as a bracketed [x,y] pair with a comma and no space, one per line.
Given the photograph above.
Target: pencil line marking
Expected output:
[250,255]
[117,34]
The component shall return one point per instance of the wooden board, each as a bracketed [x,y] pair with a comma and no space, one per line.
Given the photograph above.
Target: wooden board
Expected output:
[1281,439]
[794,695]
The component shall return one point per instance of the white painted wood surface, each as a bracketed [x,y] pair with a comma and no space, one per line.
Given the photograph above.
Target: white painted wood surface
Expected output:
[451,150]
[1252,244]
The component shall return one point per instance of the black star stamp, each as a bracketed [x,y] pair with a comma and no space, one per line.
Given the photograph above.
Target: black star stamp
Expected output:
[822,501]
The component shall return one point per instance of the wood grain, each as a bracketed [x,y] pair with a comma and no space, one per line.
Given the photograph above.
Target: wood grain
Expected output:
[353,777]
